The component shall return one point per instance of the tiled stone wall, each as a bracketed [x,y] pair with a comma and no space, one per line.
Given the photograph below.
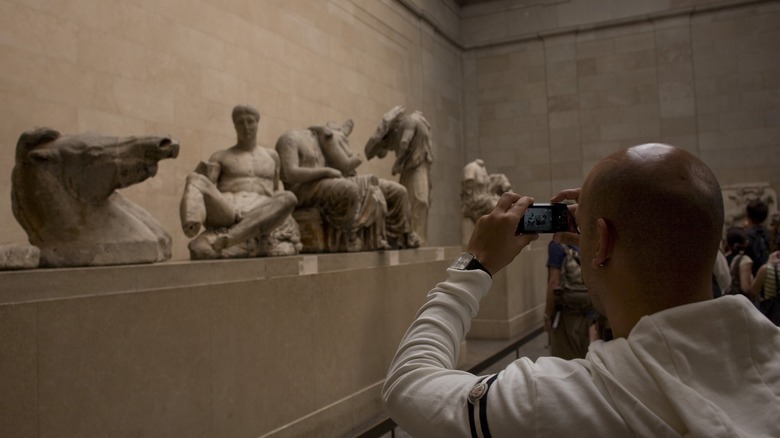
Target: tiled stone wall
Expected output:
[177,67]
[547,106]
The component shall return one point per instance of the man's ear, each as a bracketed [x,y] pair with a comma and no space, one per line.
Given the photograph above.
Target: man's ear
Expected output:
[347,127]
[605,241]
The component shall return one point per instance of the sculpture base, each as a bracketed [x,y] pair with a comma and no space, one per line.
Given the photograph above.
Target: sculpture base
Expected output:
[19,256]
[515,304]
[312,230]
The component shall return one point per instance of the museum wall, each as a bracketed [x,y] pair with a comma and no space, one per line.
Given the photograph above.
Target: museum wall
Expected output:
[551,87]
[130,67]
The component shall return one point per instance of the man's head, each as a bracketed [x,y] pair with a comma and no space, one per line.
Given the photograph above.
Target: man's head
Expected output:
[757,212]
[245,120]
[651,218]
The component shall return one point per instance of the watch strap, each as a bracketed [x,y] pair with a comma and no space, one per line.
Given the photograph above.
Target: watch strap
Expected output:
[475,264]
[469,262]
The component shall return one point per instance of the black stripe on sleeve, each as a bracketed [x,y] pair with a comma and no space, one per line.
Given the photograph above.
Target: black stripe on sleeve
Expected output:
[483,409]
[472,426]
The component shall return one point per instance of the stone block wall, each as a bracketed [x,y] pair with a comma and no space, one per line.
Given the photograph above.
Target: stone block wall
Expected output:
[540,90]
[543,103]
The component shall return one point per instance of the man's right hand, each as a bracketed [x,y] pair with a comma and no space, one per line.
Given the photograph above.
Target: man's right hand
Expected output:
[494,242]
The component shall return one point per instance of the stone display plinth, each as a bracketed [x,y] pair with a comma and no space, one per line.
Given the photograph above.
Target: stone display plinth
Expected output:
[515,304]
[283,346]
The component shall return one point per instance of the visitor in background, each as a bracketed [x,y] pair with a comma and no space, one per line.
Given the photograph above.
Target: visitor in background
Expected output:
[757,234]
[721,277]
[568,311]
[766,286]
[774,233]
[740,264]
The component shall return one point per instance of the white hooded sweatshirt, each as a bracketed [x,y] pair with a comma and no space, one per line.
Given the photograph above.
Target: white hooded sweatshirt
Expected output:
[709,369]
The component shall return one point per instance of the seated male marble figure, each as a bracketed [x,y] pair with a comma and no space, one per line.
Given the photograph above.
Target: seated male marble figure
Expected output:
[362,212]
[238,197]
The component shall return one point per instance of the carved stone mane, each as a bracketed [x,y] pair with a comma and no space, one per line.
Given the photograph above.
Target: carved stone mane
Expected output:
[63,195]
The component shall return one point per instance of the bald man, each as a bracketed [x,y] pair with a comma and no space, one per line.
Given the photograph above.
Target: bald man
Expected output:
[681,363]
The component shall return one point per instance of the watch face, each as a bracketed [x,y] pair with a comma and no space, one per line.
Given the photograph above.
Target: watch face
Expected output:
[462,261]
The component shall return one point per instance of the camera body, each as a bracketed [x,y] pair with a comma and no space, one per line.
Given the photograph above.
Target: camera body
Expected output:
[544,218]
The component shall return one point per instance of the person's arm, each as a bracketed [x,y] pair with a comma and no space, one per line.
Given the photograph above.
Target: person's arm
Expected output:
[293,173]
[212,168]
[423,393]
[336,153]
[721,271]
[758,282]
[422,373]
[746,279]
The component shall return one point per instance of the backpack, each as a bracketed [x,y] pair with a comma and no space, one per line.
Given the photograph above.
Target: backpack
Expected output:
[758,247]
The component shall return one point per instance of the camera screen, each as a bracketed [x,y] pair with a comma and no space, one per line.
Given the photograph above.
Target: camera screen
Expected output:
[538,219]
[544,218]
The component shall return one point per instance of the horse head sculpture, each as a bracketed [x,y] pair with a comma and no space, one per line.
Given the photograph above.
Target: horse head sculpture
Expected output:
[64,196]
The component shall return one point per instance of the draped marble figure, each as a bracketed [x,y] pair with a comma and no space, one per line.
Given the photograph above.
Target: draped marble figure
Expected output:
[408,135]
[350,212]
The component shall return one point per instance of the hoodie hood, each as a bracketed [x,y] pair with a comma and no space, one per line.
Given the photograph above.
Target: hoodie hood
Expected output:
[700,370]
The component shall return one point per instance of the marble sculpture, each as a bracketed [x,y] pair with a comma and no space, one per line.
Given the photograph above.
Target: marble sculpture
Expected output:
[408,135]
[479,194]
[64,196]
[339,210]
[238,198]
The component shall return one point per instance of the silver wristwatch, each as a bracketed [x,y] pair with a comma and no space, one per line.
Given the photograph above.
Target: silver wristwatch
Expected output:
[468,262]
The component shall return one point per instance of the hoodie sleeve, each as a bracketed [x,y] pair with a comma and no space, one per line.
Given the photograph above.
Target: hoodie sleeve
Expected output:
[427,397]
[423,393]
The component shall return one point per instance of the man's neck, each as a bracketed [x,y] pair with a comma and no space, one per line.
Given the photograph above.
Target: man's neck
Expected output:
[625,309]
